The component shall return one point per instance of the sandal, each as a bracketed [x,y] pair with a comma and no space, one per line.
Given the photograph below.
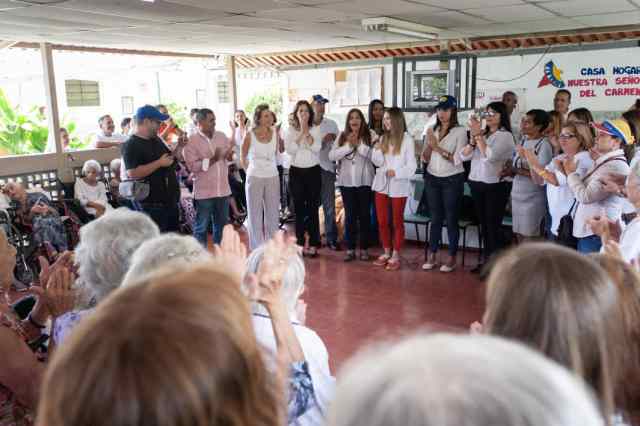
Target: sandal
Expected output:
[364,256]
[393,265]
[382,260]
[312,252]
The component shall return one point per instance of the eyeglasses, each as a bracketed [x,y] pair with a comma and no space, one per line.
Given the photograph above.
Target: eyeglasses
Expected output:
[566,136]
[487,114]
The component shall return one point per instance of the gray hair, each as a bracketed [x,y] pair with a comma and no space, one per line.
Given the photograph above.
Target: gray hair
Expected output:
[115,164]
[170,249]
[292,281]
[105,250]
[91,165]
[452,380]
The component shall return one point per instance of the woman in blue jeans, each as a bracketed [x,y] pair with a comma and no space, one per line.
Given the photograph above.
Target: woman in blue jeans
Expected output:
[444,181]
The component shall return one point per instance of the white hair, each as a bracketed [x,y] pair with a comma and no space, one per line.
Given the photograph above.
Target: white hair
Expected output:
[292,281]
[115,164]
[169,249]
[91,165]
[105,250]
[453,380]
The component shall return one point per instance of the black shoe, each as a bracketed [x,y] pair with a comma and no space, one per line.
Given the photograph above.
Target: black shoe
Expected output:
[478,268]
[334,246]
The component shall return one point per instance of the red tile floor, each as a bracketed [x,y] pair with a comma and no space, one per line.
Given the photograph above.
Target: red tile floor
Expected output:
[351,304]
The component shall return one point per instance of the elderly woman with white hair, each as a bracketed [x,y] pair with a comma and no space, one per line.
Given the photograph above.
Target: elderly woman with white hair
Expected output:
[315,351]
[90,191]
[103,258]
[172,250]
[447,380]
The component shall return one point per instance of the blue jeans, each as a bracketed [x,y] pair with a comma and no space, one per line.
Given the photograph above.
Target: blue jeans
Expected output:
[590,244]
[215,210]
[328,196]
[165,216]
[444,195]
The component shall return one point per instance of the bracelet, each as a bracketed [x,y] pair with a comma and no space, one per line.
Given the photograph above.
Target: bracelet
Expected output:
[34,323]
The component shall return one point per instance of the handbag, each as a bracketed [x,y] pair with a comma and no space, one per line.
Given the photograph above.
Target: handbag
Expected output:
[134,190]
[565,229]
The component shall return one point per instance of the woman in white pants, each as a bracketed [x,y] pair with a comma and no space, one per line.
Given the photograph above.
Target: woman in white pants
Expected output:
[259,152]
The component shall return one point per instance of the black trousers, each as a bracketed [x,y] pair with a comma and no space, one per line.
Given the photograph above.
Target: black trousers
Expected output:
[357,209]
[490,200]
[304,185]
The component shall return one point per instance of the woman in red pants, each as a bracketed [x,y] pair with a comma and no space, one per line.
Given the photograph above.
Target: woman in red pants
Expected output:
[395,158]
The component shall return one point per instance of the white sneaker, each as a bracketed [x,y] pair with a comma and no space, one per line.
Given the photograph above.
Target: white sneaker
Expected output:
[427,266]
[447,268]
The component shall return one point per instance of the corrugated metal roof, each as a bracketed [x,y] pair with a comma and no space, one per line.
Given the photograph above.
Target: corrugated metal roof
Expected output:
[456,46]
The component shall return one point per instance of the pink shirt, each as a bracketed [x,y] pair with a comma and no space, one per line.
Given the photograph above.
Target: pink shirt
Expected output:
[211,180]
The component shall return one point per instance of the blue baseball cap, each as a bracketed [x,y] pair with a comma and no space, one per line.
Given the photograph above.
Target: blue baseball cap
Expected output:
[150,112]
[447,102]
[319,98]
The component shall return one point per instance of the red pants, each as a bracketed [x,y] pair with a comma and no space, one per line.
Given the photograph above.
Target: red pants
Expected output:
[383,202]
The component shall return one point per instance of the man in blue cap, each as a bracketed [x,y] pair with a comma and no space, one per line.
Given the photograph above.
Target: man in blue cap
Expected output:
[146,157]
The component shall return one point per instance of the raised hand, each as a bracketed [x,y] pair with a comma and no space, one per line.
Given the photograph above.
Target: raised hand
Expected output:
[231,251]
[275,261]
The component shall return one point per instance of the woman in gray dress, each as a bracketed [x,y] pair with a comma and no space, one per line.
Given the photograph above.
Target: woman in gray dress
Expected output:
[528,199]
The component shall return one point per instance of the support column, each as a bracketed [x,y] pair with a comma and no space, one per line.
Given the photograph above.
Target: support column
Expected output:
[233,93]
[64,174]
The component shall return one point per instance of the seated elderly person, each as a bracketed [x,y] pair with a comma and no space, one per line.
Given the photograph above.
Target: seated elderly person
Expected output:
[36,209]
[114,184]
[314,349]
[103,256]
[166,250]
[196,359]
[90,191]
[447,380]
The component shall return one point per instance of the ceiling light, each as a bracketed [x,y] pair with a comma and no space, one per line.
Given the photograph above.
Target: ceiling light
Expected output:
[397,26]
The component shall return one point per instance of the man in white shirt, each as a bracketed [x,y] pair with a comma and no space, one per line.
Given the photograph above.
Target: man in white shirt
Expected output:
[106,138]
[329,132]
[510,99]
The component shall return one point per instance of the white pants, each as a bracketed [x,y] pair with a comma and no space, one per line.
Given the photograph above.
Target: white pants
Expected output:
[263,208]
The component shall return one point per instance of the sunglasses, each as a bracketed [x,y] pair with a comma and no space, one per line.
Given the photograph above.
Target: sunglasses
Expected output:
[566,136]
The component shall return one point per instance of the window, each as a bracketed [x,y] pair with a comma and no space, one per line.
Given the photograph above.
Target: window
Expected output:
[223,92]
[127,105]
[82,93]
[201,98]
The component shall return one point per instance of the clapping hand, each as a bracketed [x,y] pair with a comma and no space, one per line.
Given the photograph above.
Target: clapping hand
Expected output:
[352,138]
[231,251]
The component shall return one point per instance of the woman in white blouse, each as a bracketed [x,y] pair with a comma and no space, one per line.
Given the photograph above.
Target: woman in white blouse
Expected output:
[444,180]
[259,152]
[575,141]
[90,191]
[590,190]
[303,143]
[352,151]
[489,150]
[394,156]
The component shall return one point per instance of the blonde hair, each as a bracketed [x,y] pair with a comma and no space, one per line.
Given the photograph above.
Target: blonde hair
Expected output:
[564,305]
[583,134]
[393,138]
[177,349]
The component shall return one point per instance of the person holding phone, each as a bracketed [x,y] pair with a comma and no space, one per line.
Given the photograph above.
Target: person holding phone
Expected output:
[146,157]
[489,148]
[206,156]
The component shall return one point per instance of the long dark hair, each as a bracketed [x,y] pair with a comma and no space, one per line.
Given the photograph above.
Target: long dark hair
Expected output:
[372,122]
[246,119]
[453,122]
[294,118]
[363,133]
[505,122]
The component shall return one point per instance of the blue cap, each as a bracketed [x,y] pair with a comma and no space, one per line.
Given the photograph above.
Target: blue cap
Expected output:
[150,112]
[447,102]
[319,98]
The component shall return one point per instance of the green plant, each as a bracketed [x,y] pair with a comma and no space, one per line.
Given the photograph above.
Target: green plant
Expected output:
[27,133]
[271,97]
[179,113]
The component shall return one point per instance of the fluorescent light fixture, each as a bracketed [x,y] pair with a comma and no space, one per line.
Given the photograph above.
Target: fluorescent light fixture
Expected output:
[397,26]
